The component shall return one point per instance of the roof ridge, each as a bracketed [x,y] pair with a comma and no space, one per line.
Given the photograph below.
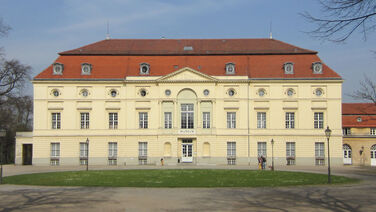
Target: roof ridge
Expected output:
[207,46]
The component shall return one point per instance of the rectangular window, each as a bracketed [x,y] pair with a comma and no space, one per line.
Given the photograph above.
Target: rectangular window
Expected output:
[319,153]
[84,120]
[290,153]
[290,120]
[206,120]
[231,153]
[55,120]
[372,131]
[112,153]
[113,120]
[346,131]
[55,154]
[187,115]
[142,153]
[168,120]
[261,149]
[231,120]
[83,153]
[143,120]
[261,120]
[319,120]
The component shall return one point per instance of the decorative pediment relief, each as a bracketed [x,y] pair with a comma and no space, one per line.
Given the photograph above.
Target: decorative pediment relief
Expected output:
[187,74]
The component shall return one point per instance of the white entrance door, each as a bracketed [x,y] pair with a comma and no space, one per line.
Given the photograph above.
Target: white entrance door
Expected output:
[373,155]
[347,155]
[187,151]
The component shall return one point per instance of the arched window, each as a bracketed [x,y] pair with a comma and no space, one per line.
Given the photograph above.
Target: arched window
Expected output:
[373,155]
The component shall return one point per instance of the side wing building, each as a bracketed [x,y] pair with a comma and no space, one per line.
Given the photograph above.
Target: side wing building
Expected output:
[199,101]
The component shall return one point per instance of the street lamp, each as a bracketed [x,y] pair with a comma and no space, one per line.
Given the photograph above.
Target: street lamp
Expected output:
[272,141]
[87,154]
[327,134]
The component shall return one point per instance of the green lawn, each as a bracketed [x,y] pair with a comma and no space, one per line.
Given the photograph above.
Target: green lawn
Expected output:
[175,178]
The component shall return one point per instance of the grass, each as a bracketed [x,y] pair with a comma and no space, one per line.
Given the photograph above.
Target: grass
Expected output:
[175,178]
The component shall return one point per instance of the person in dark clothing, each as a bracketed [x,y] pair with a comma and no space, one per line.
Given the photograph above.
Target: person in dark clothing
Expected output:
[263,162]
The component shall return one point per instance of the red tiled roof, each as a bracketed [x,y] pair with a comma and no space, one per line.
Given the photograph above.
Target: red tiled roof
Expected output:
[187,47]
[117,59]
[253,66]
[352,111]
[358,109]
[352,121]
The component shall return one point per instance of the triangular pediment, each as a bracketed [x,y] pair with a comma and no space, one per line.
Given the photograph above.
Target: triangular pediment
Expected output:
[187,74]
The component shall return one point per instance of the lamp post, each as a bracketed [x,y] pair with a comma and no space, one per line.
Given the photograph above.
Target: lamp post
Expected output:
[327,134]
[87,154]
[272,141]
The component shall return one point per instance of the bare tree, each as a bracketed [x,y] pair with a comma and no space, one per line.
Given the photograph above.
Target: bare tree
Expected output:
[15,109]
[342,18]
[4,28]
[13,75]
[367,91]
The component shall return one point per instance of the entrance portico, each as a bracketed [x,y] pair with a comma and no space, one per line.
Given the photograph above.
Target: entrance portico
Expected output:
[187,150]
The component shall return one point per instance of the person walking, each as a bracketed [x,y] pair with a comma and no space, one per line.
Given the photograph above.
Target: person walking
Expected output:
[263,162]
[259,163]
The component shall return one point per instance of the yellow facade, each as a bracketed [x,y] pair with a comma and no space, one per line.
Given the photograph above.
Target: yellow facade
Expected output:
[208,145]
[362,145]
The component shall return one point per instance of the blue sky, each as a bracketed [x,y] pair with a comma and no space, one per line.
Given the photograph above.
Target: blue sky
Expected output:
[42,28]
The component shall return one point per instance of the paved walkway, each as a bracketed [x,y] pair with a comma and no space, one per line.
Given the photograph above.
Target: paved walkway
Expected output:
[353,197]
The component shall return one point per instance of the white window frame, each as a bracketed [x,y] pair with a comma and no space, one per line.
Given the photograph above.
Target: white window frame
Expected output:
[372,131]
[290,120]
[231,120]
[113,120]
[167,120]
[55,154]
[56,120]
[143,120]
[346,131]
[231,153]
[143,149]
[83,153]
[55,150]
[142,153]
[83,149]
[187,116]
[318,120]
[112,153]
[231,149]
[290,153]
[320,153]
[261,149]
[85,120]
[112,149]
[261,120]
[206,120]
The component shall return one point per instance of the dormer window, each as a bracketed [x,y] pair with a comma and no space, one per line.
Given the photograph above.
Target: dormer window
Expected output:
[58,69]
[144,68]
[289,68]
[317,68]
[86,69]
[230,68]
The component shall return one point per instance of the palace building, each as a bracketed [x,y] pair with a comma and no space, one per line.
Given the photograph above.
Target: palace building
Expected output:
[359,133]
[198,101]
